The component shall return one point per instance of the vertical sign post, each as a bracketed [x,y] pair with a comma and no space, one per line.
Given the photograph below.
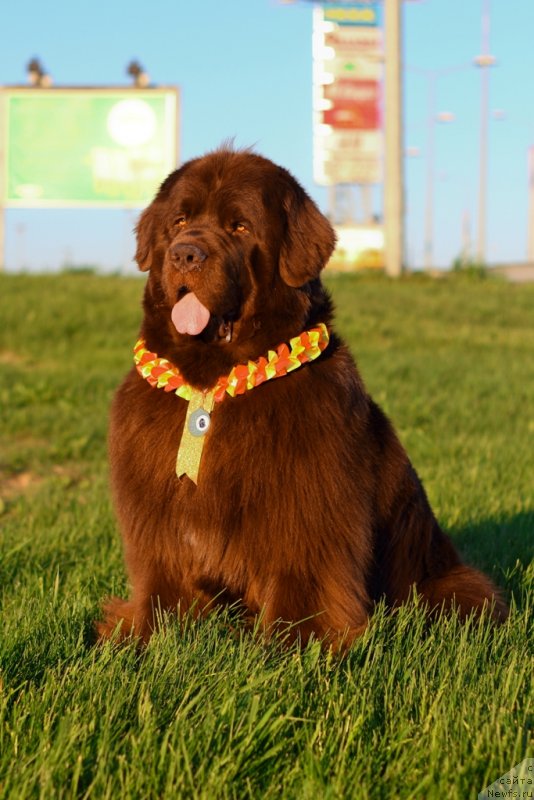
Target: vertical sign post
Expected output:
[394,178]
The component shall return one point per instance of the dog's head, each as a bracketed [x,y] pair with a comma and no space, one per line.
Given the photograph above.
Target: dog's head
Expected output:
[234,246]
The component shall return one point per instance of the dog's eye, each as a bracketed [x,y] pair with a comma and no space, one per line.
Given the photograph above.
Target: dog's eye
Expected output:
[180,221]
[239,227]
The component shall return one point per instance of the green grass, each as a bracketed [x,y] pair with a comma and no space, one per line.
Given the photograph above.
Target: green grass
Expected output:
[206,713]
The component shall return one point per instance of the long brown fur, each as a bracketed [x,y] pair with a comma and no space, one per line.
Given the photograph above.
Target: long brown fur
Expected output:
[307,508]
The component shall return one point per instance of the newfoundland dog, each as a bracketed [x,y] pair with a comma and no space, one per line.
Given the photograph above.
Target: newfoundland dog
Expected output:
[248,463]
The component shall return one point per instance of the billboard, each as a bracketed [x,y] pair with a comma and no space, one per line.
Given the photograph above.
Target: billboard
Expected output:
[347,89]
[87,147]
[358,247]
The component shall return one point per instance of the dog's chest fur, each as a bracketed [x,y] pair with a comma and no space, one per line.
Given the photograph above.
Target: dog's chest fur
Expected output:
[259,461]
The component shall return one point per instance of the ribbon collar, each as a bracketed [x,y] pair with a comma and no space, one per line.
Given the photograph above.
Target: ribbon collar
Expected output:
[163,374]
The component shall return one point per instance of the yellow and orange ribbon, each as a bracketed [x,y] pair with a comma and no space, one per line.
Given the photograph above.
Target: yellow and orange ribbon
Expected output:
[161,373]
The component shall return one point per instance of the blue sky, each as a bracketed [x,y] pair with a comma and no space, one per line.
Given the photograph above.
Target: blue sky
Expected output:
[244,68]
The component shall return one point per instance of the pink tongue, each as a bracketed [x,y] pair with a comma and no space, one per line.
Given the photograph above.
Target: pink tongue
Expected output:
[189,315]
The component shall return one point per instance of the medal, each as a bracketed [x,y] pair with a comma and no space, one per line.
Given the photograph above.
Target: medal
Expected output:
[161,373]
[196,425]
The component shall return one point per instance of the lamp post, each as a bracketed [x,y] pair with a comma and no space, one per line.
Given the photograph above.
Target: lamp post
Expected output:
[484,61]
[432,76]
[444,117]
[140,77]
[530,234]
[37,76]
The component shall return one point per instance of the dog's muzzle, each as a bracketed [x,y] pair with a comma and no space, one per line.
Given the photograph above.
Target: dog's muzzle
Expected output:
[187,257]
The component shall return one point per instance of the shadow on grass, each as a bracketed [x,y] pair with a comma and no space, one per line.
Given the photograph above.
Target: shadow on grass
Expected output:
[503,547]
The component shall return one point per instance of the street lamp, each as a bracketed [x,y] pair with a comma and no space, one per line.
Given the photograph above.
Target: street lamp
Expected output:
[530,234]
[432,76]
[484,61]
[37,76]
[141,78]
[443,117]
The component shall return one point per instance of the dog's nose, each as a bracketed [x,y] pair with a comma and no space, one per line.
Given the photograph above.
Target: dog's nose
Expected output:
[187,257]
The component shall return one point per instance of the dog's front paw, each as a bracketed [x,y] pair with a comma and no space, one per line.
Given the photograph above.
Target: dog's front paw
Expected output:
[118,622]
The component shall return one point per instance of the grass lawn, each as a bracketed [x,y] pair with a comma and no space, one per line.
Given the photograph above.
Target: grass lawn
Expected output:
[203,713]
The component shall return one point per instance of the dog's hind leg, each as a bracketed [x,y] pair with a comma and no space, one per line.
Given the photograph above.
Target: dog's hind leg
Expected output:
[412,551]
[465,590]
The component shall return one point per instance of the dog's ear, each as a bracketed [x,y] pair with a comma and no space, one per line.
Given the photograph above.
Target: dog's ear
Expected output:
[309,238]
[149,253]
[145,230]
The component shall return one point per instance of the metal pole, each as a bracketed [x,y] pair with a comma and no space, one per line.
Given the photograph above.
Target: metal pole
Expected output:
[332,203]
[484,61]
[367,204]
[393,179]
[429,211]
[2,238]
[3,156]
[432,76]
[466,235]
[530,250]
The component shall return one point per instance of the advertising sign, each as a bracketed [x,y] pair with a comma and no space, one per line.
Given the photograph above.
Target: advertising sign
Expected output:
[361,14]
[87,147]
[358,247]
[347,53]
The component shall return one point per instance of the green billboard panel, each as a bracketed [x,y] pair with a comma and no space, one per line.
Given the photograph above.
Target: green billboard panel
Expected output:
[87,147]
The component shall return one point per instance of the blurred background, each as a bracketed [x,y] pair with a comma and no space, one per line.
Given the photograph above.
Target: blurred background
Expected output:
[303,84]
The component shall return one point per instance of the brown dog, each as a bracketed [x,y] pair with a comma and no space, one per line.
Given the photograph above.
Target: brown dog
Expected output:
[298,499]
